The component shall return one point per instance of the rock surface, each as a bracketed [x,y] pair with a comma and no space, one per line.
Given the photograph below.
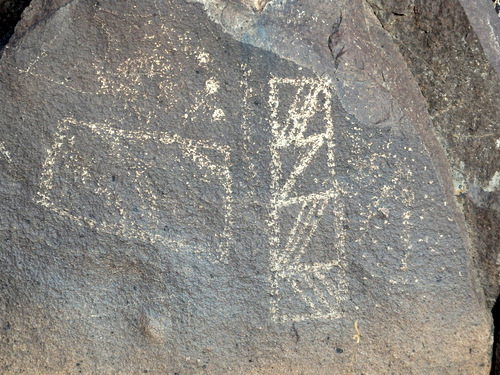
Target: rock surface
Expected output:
[245,187]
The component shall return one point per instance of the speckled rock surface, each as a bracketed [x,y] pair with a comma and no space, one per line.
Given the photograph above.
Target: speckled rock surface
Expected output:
[224,188]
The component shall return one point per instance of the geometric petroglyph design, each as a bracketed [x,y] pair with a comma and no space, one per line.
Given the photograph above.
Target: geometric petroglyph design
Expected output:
[306,222]
[149,194]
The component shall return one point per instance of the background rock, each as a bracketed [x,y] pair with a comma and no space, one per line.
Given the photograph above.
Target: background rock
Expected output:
[240,188]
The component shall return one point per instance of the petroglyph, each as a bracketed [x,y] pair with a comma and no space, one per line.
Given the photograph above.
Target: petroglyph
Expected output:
[5,154]
[307,212]
[165,208]
[304,141]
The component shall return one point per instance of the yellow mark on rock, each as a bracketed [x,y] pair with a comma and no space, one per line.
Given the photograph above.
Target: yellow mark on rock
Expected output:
[356,337]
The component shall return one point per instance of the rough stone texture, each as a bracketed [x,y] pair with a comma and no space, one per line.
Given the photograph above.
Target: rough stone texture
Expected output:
[237,187]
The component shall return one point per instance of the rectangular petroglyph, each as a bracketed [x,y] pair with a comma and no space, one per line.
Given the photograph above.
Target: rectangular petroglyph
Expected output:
[164,172]
[306,221]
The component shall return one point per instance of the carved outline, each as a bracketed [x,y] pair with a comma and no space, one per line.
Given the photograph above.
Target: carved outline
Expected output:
[190,148]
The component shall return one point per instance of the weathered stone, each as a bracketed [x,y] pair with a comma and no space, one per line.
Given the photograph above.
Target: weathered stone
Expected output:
[229,187]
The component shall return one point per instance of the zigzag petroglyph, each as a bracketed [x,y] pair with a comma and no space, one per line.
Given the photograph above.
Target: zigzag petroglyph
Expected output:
[320,285]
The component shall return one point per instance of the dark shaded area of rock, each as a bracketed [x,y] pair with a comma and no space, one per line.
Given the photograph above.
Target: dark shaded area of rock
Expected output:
[175,200]
[462,89]
[10,13]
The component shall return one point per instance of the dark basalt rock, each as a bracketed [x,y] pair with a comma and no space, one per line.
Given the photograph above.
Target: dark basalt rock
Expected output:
[245,187]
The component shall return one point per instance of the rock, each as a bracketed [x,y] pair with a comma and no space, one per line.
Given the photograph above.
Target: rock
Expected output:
[235,187]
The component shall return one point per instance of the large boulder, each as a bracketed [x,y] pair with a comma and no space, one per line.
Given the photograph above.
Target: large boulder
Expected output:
[234,187]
